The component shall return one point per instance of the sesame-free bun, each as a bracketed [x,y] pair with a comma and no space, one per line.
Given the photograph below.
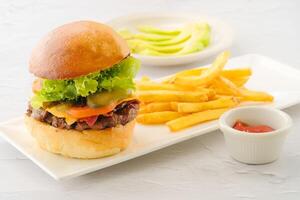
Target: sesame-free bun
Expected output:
[77,49]
[85,144]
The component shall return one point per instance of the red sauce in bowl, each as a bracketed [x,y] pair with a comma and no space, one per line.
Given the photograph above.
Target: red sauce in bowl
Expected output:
[241,126]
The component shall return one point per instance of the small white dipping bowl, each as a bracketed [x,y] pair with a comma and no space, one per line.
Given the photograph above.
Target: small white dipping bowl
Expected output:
[255,148]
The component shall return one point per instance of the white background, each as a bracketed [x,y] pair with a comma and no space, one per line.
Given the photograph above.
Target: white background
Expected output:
[196,169]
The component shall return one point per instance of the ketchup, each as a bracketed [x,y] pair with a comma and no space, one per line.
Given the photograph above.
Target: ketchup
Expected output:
[241,126]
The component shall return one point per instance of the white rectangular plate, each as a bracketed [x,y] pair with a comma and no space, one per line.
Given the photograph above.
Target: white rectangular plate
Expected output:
[268,75]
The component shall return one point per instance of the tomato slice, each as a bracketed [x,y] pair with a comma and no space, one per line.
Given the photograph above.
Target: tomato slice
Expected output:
[90,120]
[85,111]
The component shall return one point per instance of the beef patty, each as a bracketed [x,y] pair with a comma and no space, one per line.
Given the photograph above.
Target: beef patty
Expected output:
[122,114]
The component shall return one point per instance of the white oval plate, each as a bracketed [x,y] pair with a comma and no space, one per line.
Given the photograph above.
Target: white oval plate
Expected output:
[222,34]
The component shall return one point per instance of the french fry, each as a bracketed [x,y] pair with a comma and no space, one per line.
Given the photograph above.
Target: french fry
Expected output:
[169,96]
[149,85]
[169,79]
[237,98]
[224,86]
[236,73]
[249,95]
[155,86]
[191,72]
[228,73]
[188,72]
[195,118]
[208,75]
[156,107]
[174,106]
[211,94]
[240,81]
[222,102]
[158,117]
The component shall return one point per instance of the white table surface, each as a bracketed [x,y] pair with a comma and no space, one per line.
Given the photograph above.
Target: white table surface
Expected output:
[196,169]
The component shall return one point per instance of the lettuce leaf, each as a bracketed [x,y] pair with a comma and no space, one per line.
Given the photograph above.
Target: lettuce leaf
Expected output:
[120,76]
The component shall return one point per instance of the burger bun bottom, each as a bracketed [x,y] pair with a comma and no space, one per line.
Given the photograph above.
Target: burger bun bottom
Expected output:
[85,144]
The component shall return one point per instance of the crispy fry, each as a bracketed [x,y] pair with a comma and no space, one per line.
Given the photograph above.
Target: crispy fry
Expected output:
[169,79]
[191,72]
[174,106]
[236,73]
[224,86]
[249,95]
[156,107]
[222,102]
[158,117]
[240,81]
[188,72]
[211,94]
[208,75]
[149,85]
[195,118]
[237,98]
[155,86]
[228,73]
[168,96]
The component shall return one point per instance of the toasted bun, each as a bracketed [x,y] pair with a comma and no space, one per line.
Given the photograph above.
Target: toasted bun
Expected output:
[77,49]
[81,144]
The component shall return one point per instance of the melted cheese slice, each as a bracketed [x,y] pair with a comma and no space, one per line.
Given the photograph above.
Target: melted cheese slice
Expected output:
[60,111]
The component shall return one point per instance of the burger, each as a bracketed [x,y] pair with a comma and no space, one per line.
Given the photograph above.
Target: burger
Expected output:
[83,103]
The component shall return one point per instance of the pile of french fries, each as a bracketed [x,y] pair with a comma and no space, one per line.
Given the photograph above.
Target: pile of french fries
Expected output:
[195,96]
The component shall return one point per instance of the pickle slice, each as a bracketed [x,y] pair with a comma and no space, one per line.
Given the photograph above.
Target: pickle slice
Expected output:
[107,97]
